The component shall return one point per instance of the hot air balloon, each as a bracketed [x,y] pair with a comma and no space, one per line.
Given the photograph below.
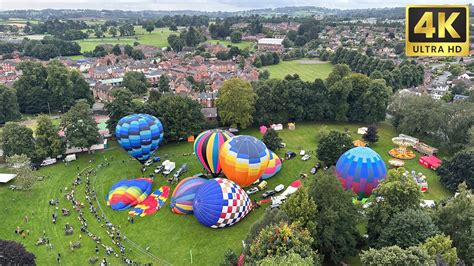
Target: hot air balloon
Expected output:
[127,193]
[243,159]
[207,146]
[183,195]
[139,135]
[360,169]
[152,203]
[220,203]
[273,167]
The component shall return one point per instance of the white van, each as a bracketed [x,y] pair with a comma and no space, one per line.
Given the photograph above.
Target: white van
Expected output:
[47,162]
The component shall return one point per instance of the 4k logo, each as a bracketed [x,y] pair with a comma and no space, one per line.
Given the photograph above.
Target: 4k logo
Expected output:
[437,30]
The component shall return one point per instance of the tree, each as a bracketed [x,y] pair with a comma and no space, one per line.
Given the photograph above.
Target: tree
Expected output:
[173,27]
[60,86]
[175,42]
[301,209]
[135,82]
[290,259]
[180,116]
[17,139]
[338,94]
[408,228]
[116,50]
[376,101]
[154,95]
[230,258]
[113,31]
[128,49]
[271,217]
[371,135]
[25,177]
[14,253]
[272,140]
[440,249]
[282,240]
[137,54]
[332,145]
[398,193]
[334,211]
[9,109]
[48,142]
[80,87]
[164,84]
[236,36]
[121,106]
[454,218]
[99,33]
[80,127]
[395,255]
[236,103]
[338,73]
[150,27]
[458,169]
[31,88]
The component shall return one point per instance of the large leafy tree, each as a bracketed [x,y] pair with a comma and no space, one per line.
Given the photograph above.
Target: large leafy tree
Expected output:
[455,219]
[9,109]
[440,249]
[301,208]
[136,82]
[408,228]
[338,95]
[271,139]
[17,139]
[397,193]
[271,217]
[31,89]
[14,253]
[164,84]
[60,86]
[80,87]
[290,259]
[376,100]
[394,255]
[371,136]
[25,177]
[80,127]
[334,211]
[236,103]
[122,105]
[338,73]
[48,142]
[332,145]
[181,116]
[458,169]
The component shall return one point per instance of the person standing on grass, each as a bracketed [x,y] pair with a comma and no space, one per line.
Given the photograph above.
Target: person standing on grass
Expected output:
[58,258]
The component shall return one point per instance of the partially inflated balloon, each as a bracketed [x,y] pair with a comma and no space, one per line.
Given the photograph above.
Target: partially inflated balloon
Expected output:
[128,193]
[183,195]
[207,146]
[221,203]
[273,167]
[243,159]
[152,203]
[139,135]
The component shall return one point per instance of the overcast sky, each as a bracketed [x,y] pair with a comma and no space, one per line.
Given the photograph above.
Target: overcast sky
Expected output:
[207,5]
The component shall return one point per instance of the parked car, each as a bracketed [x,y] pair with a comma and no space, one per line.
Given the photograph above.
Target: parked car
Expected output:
[282,145]
[302,152]
[156,159]
[47,162]
[268,193]
[183,169]
[262,185]
[275,206]
[159,169]
[252,190]
[315,169]
[289,155]
[279,188]
[306,157]
[148,163]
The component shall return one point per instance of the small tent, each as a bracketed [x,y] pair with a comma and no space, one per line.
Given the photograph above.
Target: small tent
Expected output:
[263,129]
[359,143]
[4,178]
[277,127]
[361,130]
[430,162]
[291,126]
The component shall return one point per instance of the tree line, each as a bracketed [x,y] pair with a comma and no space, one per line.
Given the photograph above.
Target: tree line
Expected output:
[187,38]
[44,49]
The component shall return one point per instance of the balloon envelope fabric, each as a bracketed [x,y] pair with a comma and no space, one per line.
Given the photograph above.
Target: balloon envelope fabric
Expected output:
[273,167]
[127,193]
[243,159]
[139,135]
[361,170]
[152,203]
[184,193]
[220,203]
[206,147]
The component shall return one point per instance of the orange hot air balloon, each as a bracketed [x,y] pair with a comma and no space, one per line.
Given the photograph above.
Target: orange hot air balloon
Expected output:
[243,159]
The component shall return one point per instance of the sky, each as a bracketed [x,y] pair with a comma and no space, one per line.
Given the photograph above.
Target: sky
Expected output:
[208,5]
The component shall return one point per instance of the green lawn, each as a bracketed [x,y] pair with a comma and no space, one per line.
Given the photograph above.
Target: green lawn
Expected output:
[158,38]
[241,45]
[307,72]
[172,238]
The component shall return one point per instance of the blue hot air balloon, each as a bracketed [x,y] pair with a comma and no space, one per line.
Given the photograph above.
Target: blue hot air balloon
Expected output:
[139,135]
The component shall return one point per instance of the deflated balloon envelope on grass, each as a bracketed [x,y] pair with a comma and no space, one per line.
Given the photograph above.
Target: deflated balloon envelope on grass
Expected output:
[127,193]
[140,135]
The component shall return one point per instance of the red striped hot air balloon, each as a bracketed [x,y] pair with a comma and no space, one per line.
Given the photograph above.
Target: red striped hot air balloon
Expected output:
[207,146]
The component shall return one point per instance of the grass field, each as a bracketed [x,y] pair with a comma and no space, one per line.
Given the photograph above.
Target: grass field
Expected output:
[158,38]
[240,45]
[172,238]
[307,72]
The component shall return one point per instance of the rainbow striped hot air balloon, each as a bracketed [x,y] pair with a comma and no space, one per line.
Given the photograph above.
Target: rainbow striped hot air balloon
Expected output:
[127,193]
[184,193]
[273,167]
[244,159]
[361,170]
[220,203]
[152,203]
[139,135]
[207,146]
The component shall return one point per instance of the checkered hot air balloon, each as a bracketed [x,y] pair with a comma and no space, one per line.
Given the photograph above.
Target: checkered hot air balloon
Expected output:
[220,203]
[243,159]
[273,167]
[128,193]
[139,135]
[184,193]
[206,147]
[360,169]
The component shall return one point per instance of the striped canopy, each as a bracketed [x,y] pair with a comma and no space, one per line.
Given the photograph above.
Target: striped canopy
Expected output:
[207,146]
[184,193]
